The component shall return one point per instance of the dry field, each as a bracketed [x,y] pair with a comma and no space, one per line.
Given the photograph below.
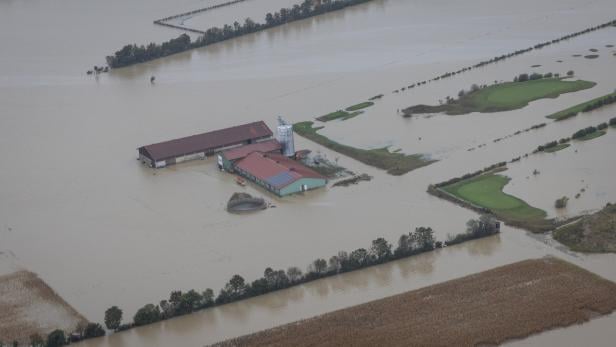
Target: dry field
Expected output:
[488,308]
[29,306]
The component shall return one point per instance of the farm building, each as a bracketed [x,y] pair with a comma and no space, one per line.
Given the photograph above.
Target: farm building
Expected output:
[199,146]
[227,158]
[278,174]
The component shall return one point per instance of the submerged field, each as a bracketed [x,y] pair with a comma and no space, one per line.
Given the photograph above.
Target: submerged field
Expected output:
[593,233]
[488,308]
[382,158]
[504,96]
[28,306]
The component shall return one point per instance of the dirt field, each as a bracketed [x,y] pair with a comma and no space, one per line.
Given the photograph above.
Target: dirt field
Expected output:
[488,308]
[28,306]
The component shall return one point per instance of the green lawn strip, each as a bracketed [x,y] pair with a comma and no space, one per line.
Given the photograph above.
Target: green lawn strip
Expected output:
[505,96]
[592,135]
[340,114]
[395,163]
[556,148]
[359,106]
[574,110]
[487,191]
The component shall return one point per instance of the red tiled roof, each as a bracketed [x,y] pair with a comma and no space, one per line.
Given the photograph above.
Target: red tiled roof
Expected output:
[243,151]
[276,169]
[207,141]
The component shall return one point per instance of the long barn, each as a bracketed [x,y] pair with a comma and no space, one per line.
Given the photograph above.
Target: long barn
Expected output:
[199,146]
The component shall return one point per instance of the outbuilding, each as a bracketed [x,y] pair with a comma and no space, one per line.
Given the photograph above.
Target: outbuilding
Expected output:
[199,146]
[227,158]
[278,174]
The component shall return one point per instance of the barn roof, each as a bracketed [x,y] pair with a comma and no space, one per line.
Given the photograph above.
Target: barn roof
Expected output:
[207,141]
[275,169]
[243,151]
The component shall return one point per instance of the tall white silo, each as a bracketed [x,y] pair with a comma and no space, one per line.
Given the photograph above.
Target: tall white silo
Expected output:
[284,134]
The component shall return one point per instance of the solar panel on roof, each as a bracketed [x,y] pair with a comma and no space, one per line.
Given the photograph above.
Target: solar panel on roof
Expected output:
[280,180]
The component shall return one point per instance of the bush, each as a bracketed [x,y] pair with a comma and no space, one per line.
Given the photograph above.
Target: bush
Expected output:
[561,203]
[602,126]
[613,121]
[570,73]
[93,330]
[146,315]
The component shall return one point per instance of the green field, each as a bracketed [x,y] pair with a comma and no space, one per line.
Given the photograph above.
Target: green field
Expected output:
[487,191]
[340,114]
[574,110]
[591,136]
[557,148]
[505,96]
[359,106]
[394,163]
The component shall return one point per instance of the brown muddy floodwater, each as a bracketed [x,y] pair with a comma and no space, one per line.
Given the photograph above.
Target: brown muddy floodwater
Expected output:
[77,209]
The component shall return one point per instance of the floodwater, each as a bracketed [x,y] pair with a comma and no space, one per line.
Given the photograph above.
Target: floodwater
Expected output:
[79,210]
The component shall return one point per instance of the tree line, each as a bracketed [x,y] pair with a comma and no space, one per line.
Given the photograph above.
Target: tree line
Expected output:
[179,303]
[133,54]
[497,59]
[577,135]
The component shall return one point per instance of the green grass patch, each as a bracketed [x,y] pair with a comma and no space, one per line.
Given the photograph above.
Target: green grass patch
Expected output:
[359,106]
[340,114]
[557,148]
[394,163]
[574,110]
[592,135]
[505,96]
[487,191]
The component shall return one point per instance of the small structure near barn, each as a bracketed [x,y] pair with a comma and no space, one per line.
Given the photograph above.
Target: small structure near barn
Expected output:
[278,174]
[227,158]
[199,146]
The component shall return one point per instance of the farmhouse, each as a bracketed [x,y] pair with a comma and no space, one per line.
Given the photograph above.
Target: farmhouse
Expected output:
[278,174]
[199,146]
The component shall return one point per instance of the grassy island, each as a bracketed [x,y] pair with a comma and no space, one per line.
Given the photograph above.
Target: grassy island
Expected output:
[584,107]
[340,114]
[360,106]
[594,233]
[504,96]
[592,135]
[557,148]
[395,163]
[483,192]
[487,191]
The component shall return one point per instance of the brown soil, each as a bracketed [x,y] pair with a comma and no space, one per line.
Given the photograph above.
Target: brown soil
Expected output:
[488,308]
[29,306]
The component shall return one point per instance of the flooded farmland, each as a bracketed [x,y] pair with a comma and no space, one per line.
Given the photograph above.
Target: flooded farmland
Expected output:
[77,209]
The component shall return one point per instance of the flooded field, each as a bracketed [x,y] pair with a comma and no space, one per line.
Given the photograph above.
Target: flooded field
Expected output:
[77,208]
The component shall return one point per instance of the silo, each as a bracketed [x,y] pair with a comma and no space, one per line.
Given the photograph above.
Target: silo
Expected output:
[284,133]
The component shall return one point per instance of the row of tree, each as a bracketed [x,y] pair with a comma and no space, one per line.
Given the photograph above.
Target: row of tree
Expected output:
[577,135]
[237,288]
[607,100]
[509,55]
[133,54]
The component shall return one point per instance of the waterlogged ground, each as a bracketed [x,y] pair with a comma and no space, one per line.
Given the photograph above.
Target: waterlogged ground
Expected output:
[77,209]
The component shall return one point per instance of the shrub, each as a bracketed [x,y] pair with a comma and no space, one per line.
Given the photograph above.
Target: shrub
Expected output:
[570,73]
[602,126]
[561,203]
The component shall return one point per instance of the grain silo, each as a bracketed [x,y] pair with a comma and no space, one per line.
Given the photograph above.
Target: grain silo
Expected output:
[284,134]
